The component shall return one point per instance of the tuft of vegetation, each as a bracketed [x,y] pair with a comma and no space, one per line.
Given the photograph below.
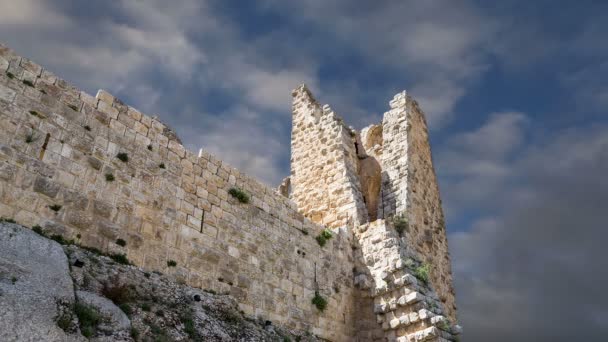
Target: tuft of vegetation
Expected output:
[13,280]
[120,258]
[38,230]
[126,308]
[145,307]
[117,292]
[400,223]
[29,138]
[64,322]
[304,231]
[61,240]
[109,177]
[122,156]
[34,113]
[409,263]
[239,194]
[55,207]
[150,147]
[171,263]
[87,127]
[319,301]
[72,107]
[7,220]
[121,242]
[422,272]
[88,317]
[28,83]
[134,333]
[187,320]
[161,165]
[10,75]
[324,237]
[444,325]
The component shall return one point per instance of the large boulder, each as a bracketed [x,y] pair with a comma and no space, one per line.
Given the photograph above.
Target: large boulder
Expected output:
[115,317]
[35,286]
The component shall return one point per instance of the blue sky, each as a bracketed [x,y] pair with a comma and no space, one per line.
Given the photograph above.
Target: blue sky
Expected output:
[515,93]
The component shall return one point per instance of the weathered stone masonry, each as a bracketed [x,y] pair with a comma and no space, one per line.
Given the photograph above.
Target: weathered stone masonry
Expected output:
[58,146]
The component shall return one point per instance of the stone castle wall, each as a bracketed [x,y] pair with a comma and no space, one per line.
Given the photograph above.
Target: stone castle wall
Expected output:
[57,144]
[324,179]
[409,188]
[340,176]
[59,168]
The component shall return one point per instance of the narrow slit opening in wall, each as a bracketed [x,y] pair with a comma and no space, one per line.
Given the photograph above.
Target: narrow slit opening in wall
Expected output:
[46,142]
[202,220]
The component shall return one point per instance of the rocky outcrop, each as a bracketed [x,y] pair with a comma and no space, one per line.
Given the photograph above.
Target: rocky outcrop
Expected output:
[35,286]
[50,292]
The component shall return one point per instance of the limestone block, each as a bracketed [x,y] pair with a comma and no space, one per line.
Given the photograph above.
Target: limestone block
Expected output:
[46,187]
[107,108]
[105,97]
[7,94]
[3,64]
[394,323]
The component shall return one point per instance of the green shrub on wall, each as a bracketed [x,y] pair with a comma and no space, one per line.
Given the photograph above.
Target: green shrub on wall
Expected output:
[239,194]
[319,301]
[123,157]
[400,223]
[323,237]
[422,272]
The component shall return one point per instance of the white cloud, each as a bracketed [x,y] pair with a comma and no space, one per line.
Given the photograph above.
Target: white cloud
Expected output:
[30,13]
[437,45]
[239,137]
[513,267]
[474,167]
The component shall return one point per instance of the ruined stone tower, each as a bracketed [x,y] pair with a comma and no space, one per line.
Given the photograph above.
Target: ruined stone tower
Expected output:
[380,183]
[384,273]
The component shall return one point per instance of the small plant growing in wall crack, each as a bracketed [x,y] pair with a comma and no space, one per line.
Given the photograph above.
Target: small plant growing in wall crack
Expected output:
[109,177]
[28,83]
[30,137]
[171,263]
[422,272]
[121,242]
[10,75]
[120,258]
[161,165]
[323,237]
[319,301]
[239,194]
[123,157]
[55,207]
[444,325]
[400,223]
[87,127]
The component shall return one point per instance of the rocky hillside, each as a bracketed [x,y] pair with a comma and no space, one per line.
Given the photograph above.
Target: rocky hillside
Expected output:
[53,290]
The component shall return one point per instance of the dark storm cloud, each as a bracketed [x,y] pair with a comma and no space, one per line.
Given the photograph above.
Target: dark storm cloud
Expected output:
[537,270]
